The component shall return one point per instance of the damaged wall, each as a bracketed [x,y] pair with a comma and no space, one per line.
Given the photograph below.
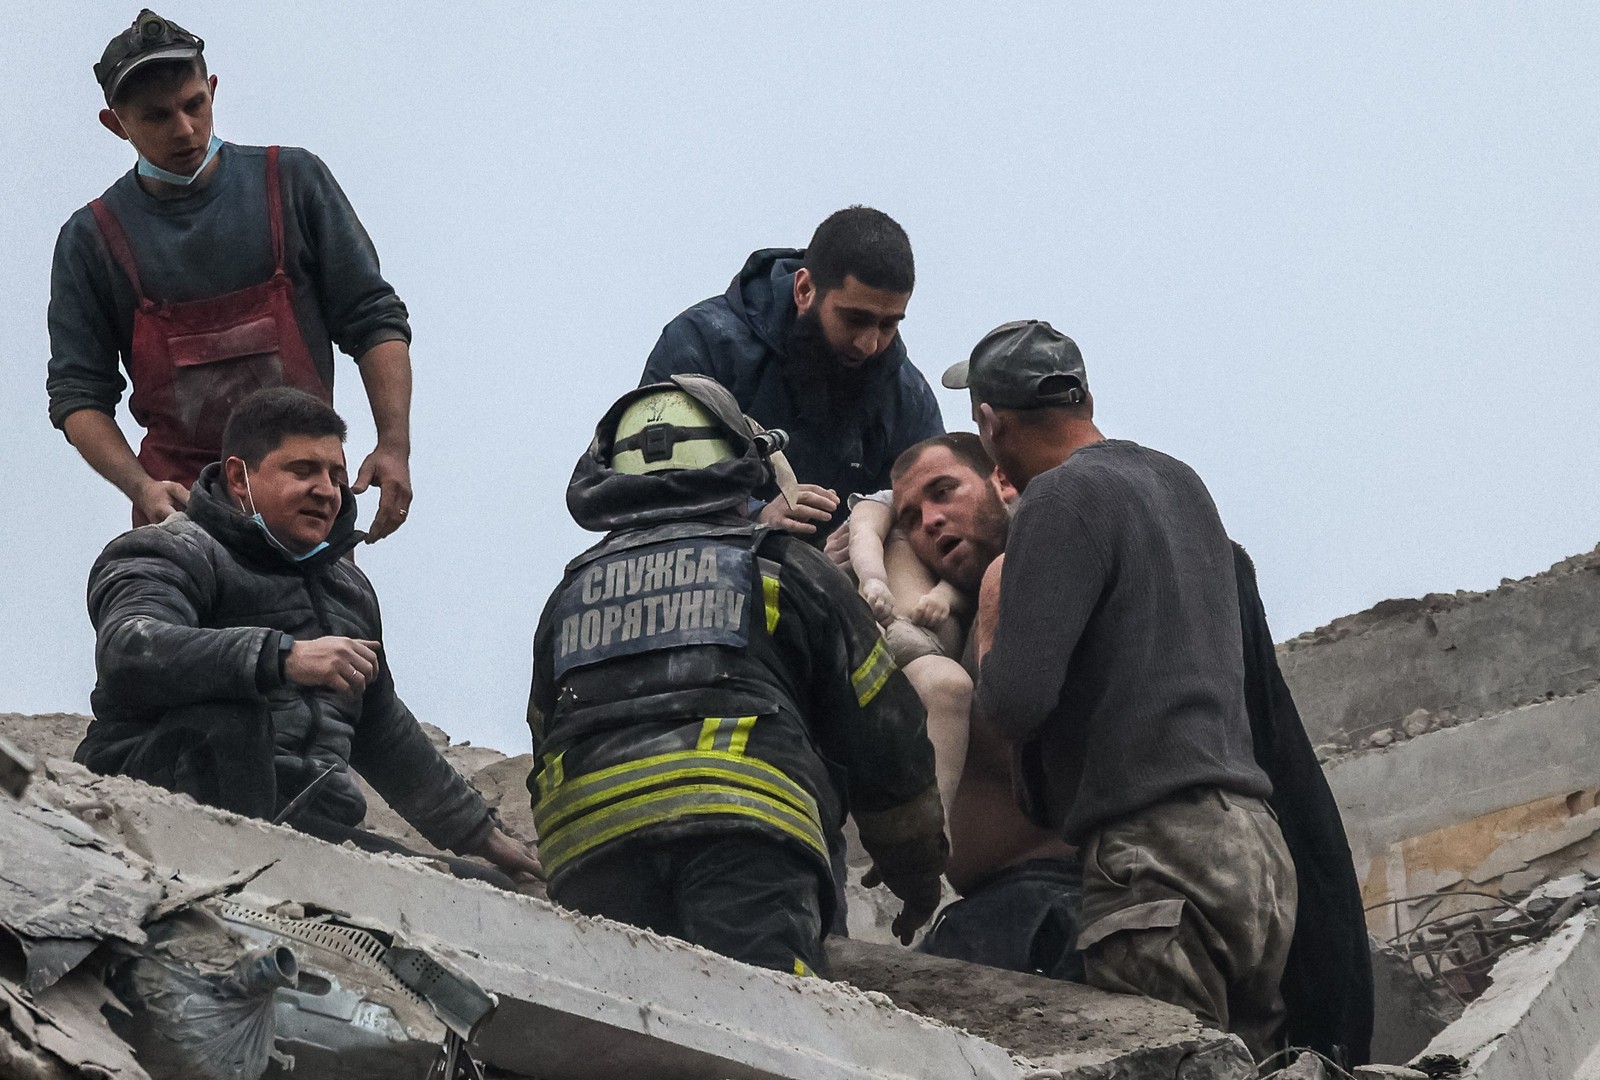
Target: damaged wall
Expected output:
[1455,731]
[1455,657]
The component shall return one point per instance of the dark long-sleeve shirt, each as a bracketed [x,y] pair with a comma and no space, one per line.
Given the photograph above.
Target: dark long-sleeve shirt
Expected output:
[1117,662]
[205,244]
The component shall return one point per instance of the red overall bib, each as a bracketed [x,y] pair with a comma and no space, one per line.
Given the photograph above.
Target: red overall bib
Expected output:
[192,362]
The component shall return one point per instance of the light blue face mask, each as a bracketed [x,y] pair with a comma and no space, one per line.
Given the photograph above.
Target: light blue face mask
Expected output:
[156,172]
[261,523]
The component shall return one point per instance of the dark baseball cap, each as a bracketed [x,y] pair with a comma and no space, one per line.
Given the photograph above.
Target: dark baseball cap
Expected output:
[150,38]
[1022,365]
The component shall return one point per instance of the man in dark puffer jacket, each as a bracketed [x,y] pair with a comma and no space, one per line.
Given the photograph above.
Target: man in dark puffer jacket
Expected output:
[239,651]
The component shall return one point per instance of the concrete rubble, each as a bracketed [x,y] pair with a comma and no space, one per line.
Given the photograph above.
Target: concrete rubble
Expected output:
[1455,731]
[1539,1018]
[206,893]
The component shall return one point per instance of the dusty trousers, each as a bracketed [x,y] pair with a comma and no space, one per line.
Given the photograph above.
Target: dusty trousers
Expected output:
[743,896]
[1023,918]
[1192,901]
[219,753]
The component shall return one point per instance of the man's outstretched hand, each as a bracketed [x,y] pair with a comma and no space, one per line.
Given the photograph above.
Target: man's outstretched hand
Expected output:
[837,546]
[516,857]
[158,500]
[817,505]
[389,470]
[919,898]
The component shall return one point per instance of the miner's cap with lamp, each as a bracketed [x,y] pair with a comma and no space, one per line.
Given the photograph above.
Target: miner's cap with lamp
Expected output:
[149,39]
[1026,364]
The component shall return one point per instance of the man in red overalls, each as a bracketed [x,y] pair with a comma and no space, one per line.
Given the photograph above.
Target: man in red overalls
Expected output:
[208,271]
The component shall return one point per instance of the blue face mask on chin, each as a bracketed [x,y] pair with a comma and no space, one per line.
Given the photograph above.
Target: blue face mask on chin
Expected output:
[261,524]
[156,172]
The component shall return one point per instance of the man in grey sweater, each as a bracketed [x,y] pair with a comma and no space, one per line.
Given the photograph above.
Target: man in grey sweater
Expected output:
[1117,668]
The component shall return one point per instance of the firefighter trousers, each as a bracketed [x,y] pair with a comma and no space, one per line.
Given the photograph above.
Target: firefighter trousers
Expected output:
[748,897]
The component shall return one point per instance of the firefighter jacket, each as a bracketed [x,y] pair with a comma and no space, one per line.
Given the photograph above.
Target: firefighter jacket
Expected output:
[704,675]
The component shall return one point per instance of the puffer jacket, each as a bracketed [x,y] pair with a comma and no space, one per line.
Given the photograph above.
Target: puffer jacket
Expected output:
[738,339]
[194,609]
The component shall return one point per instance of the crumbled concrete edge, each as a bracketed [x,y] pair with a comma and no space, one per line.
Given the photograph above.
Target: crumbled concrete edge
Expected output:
[1073,1029]
[572,989]
[1414,609]
[1541,1016]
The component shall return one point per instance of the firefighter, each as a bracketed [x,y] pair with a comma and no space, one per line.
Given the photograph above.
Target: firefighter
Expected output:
[711,698]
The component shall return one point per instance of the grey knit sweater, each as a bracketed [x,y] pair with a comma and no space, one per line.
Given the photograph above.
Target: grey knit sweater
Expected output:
[1117,664]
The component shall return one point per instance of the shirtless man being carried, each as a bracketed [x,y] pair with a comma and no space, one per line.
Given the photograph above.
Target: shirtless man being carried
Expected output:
[1020,885]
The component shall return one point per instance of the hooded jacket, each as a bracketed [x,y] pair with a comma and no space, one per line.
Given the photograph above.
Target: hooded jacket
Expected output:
[739,338]
[194,609]
[652,739]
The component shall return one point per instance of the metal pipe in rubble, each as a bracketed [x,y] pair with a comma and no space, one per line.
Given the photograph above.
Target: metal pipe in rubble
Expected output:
[262,972]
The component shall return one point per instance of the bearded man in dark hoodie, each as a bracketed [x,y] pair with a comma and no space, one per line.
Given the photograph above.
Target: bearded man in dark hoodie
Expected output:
[808,341]
[239,652]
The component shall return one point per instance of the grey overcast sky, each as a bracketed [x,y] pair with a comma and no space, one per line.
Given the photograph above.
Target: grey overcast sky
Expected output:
[1342,258]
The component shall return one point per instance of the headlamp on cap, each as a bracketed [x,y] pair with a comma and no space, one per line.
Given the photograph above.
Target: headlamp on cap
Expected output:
[150,38]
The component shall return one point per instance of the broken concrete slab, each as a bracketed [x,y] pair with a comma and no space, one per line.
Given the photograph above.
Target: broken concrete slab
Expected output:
[1518,852]
[501,780]
[1073,1029]
[61,1034]
[584,998]
[1304,1067]
[64,889]
[580,998]
[1539,1018]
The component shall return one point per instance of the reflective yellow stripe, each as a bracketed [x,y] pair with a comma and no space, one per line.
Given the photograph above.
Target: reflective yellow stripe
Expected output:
[769,591]
[559,809]
[802,969]
[708,733]
[550,776]
[729,733]
[735,770]
[740,734]
[874,671]
[567,843]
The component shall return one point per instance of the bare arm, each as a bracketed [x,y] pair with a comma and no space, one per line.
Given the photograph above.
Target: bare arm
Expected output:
[869,524]
[386,372]
[1053,580]
[988,608]
[97,437]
